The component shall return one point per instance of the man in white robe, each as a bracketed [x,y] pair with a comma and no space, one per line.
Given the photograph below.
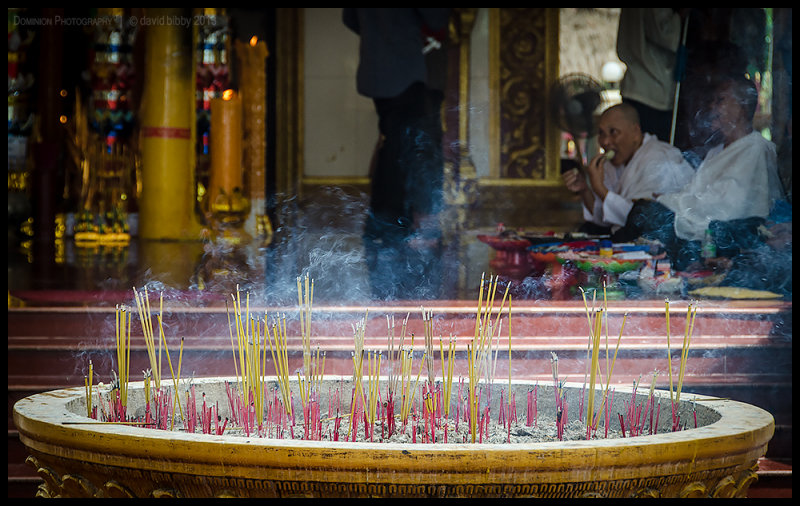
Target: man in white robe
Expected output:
[737,179]
[641,167]
[737,182]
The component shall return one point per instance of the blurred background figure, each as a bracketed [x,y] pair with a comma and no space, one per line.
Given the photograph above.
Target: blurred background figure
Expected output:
[402,234]
[648,40]
[737,182]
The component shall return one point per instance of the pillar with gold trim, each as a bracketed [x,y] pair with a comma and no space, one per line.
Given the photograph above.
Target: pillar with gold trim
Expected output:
[167,201]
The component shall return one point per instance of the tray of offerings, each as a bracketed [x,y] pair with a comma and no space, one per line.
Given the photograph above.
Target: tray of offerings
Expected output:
[510,259]
[616,263]
[547,252]
[511,243]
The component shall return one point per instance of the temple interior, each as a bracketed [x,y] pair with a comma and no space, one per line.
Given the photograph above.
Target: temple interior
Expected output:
[202,151]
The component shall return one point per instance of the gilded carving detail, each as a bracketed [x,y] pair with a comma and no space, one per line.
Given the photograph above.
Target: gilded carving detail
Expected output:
[731,482]
[522,93]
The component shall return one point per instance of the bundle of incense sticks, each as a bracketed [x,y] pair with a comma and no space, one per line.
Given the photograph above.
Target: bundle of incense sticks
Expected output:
[143,307]
[280,358]
[358,400]
[394,353]
[448,365]
[675,395]
[408,392]
[373,397]
[123,319]
[305,300]
[635,416]
[593,350]
[169,362]
[479,351]
[122,325]
[252,411]
[248,344]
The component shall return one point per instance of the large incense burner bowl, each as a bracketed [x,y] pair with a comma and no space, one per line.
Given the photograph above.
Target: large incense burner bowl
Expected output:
[717,459]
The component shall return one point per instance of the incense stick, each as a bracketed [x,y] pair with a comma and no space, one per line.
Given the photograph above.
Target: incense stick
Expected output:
[687,338]
[280,358]
[447,372]
[477,356]
[669,353]
[172,372]
[305,299]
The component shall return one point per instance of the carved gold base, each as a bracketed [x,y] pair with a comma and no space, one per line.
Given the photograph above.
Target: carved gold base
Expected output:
[79,459]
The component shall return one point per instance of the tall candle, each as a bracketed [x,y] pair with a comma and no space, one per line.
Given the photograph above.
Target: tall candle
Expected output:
[252,58]
[226,146]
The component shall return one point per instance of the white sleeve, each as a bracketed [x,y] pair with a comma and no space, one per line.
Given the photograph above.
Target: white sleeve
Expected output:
[598,214]
[595,215]
[616,209]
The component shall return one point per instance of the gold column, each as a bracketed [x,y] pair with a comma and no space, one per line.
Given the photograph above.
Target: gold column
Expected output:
[167,201]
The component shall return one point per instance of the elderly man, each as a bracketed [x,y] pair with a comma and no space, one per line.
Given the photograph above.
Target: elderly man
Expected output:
[738,178]
[635,165]
[737,182]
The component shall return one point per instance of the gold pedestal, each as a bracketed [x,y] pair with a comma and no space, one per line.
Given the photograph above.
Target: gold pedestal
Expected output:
[227,216]
[227,261]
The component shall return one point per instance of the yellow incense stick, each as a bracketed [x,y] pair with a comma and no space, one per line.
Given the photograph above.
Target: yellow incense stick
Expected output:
[593,368]
[233,347]
[180,362]
[611,370]
[169,361]
[281,360]
[669,353]
[447,372]
[685,349]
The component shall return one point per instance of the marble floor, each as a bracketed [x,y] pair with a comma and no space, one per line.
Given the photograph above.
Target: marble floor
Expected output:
[335,259]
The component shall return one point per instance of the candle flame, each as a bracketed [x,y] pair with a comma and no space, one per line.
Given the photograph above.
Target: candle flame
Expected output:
[227,94]
[253,41]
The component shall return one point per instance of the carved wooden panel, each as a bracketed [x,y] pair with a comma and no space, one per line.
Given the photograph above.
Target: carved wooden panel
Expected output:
[526,69]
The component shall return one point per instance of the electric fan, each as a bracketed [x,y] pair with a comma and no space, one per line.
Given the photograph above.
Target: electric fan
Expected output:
[575,101]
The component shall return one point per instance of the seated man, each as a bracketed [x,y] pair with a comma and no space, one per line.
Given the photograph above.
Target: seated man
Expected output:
[640,167]
[738,179]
